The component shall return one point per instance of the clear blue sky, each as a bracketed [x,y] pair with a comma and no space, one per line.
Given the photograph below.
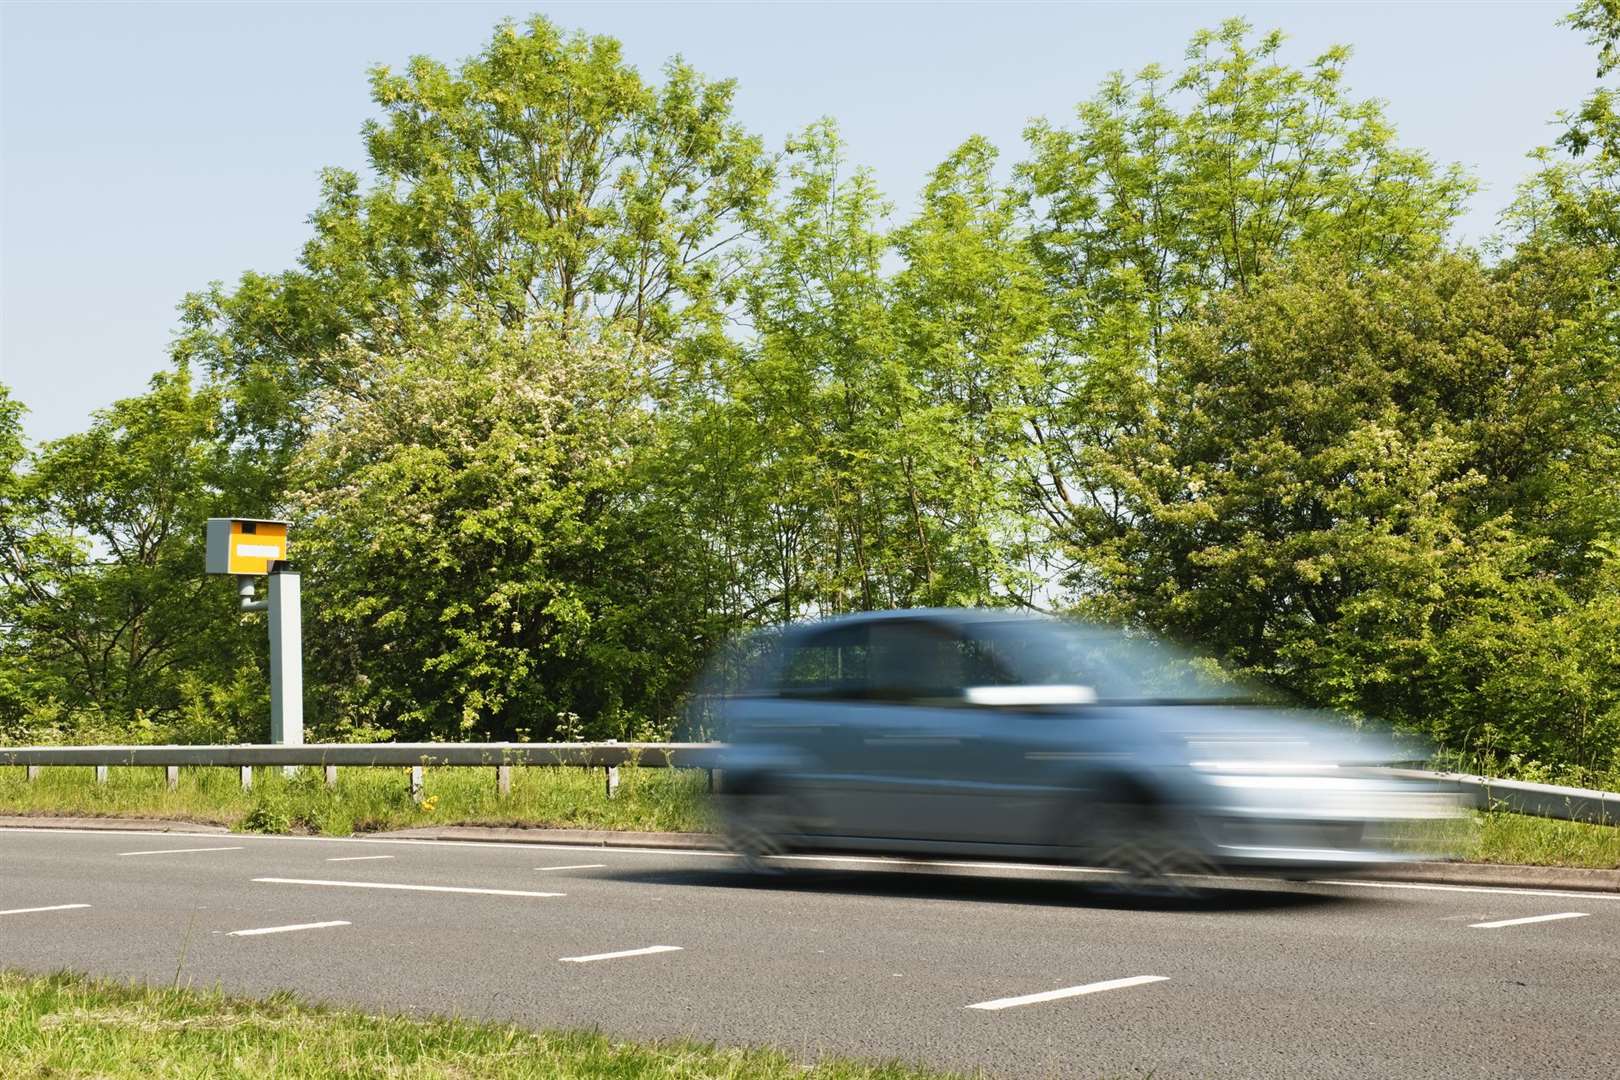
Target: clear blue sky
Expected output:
[148,149]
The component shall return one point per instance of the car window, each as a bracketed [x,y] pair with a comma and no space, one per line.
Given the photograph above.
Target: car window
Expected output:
[831,664]
[900,661]
[916,661]
[1115,665]
[1016,652]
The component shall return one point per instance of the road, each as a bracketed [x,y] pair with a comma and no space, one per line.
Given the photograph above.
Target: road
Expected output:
[1019,972]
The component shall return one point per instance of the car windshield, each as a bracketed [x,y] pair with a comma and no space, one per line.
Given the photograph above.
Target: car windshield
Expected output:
[1117,666]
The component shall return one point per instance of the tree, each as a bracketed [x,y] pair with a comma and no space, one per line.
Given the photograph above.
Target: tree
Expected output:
[863,421]
[1338,477]
[544,180]
[106,606]
[819,387]
[969,308]
[1595,123]
[1573,196]
[18,695]
[483,559]
[542,187]
[542,183]
[1172,189]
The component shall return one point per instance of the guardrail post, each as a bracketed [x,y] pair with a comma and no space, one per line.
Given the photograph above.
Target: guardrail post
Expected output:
[331,776]
[416,783]
[714,781]
[101,774]
[33,773]
[171,777]
[612,781]
[503,780]
[247,778]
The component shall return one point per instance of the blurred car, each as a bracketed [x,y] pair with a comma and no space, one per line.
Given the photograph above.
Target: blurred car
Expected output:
[997,735]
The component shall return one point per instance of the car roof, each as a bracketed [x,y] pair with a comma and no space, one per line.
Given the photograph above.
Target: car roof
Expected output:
[953,616]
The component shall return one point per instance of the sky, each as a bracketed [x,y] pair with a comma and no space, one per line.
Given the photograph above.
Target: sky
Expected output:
[149,149]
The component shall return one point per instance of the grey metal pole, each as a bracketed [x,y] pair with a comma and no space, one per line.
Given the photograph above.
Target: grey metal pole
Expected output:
[286,662]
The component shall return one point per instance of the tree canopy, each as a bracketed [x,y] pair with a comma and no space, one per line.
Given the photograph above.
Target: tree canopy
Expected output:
[578,378]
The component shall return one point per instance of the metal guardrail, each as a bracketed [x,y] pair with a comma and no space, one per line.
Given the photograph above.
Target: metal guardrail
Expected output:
[1480,792]
[1522,797]
[599,755]
[499,756]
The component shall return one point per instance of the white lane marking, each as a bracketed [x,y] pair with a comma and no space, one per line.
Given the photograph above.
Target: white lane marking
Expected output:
[288,929]
[648,951]
[53,907]
[356,858]
[396,885]
[1527,919]
[1068,992]
[576,866]
[179,851]
[1498,889]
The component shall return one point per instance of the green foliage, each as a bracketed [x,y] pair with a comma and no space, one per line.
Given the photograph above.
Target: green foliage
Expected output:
[571,389]
[1175,188]
[480,551]
[544,180]
[107,616]
[1389,492]
[868,427]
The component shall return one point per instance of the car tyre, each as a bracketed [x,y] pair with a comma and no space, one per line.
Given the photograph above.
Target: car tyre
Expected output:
[753,824]
[1130,832]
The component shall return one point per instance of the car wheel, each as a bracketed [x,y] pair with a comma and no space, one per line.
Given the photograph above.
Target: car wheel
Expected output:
[1129,832]
[754,824]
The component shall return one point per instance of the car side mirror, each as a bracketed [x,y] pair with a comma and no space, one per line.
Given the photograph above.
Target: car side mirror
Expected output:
[1015,696]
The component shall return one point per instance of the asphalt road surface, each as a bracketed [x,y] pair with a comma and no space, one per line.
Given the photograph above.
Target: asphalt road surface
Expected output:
[1019,972]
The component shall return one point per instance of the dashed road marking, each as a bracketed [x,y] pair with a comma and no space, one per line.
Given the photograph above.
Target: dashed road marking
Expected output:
[1527,919]
[288,929]
[576,866]
[53,907]
[648,951]
[404,888]
[179,851]
[1068,992]
[356,858]
[1498,889]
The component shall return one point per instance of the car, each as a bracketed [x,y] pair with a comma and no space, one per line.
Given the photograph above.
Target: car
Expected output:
[1004,735]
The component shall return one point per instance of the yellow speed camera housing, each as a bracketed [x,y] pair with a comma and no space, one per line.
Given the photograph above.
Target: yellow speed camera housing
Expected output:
[245,545]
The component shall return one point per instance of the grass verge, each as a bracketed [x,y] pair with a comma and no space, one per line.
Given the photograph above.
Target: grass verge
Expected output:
[370,799]
[70,1026]
[650,800]
[1516,840]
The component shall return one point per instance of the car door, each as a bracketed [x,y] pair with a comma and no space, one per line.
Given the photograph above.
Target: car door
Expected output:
[821,697]
[927,764]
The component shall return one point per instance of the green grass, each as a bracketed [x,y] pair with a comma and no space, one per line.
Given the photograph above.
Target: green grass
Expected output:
[1528,841]
[65,1026]
[652,800]
[370,799]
